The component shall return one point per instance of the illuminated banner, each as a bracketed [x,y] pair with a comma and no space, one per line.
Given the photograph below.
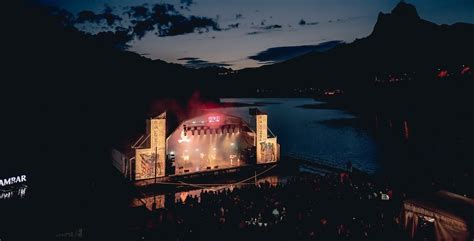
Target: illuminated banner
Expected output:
[262,128]
[267,151]
[267,148]
[157,134]
[262,135]
[148,160]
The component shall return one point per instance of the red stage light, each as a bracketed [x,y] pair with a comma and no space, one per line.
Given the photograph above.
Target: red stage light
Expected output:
[443,74]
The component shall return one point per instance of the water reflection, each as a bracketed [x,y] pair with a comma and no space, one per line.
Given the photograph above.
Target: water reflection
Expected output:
[159,200]
[406,130]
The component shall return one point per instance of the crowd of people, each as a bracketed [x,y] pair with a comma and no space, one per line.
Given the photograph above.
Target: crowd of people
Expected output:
[308,207]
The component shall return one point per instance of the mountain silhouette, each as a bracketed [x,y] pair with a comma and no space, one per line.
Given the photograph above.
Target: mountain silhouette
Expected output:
[400,42]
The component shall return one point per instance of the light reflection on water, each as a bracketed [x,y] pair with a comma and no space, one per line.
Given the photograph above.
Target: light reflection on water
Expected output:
[159,200]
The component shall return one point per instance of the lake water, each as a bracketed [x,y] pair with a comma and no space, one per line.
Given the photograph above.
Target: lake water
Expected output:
[315,132]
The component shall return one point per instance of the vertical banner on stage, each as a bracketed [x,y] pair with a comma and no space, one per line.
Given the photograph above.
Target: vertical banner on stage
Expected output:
[158,143]
[267,148]
[150,159]
[267,151]
[145,163]
[262,129]
[262,135]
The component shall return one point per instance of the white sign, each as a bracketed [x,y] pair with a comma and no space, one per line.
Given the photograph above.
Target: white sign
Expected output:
[12,180]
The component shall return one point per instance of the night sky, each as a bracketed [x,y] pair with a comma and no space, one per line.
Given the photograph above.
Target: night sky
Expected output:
[249,33]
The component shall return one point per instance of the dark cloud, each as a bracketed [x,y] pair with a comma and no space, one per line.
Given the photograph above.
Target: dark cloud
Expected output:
[165,20]
[87,16]
[184,25]
[160,19]
[117,36]
[118,39]
[238,16]
[140,28]
[279,54]
[264,29]
[270,27]
[110,18]
[188,58]
[62,16]
[254,33]
[186,3]
[231,26]
[197,63]
[344,20]
[91,17]
[138,12]
[303,22]
[107,9]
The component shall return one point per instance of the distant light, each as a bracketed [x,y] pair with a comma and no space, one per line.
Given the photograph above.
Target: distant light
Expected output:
[232,144]
[197,149]
[172,152]
[214,149]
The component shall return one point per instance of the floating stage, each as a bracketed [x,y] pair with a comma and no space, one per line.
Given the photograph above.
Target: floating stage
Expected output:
[210,144]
